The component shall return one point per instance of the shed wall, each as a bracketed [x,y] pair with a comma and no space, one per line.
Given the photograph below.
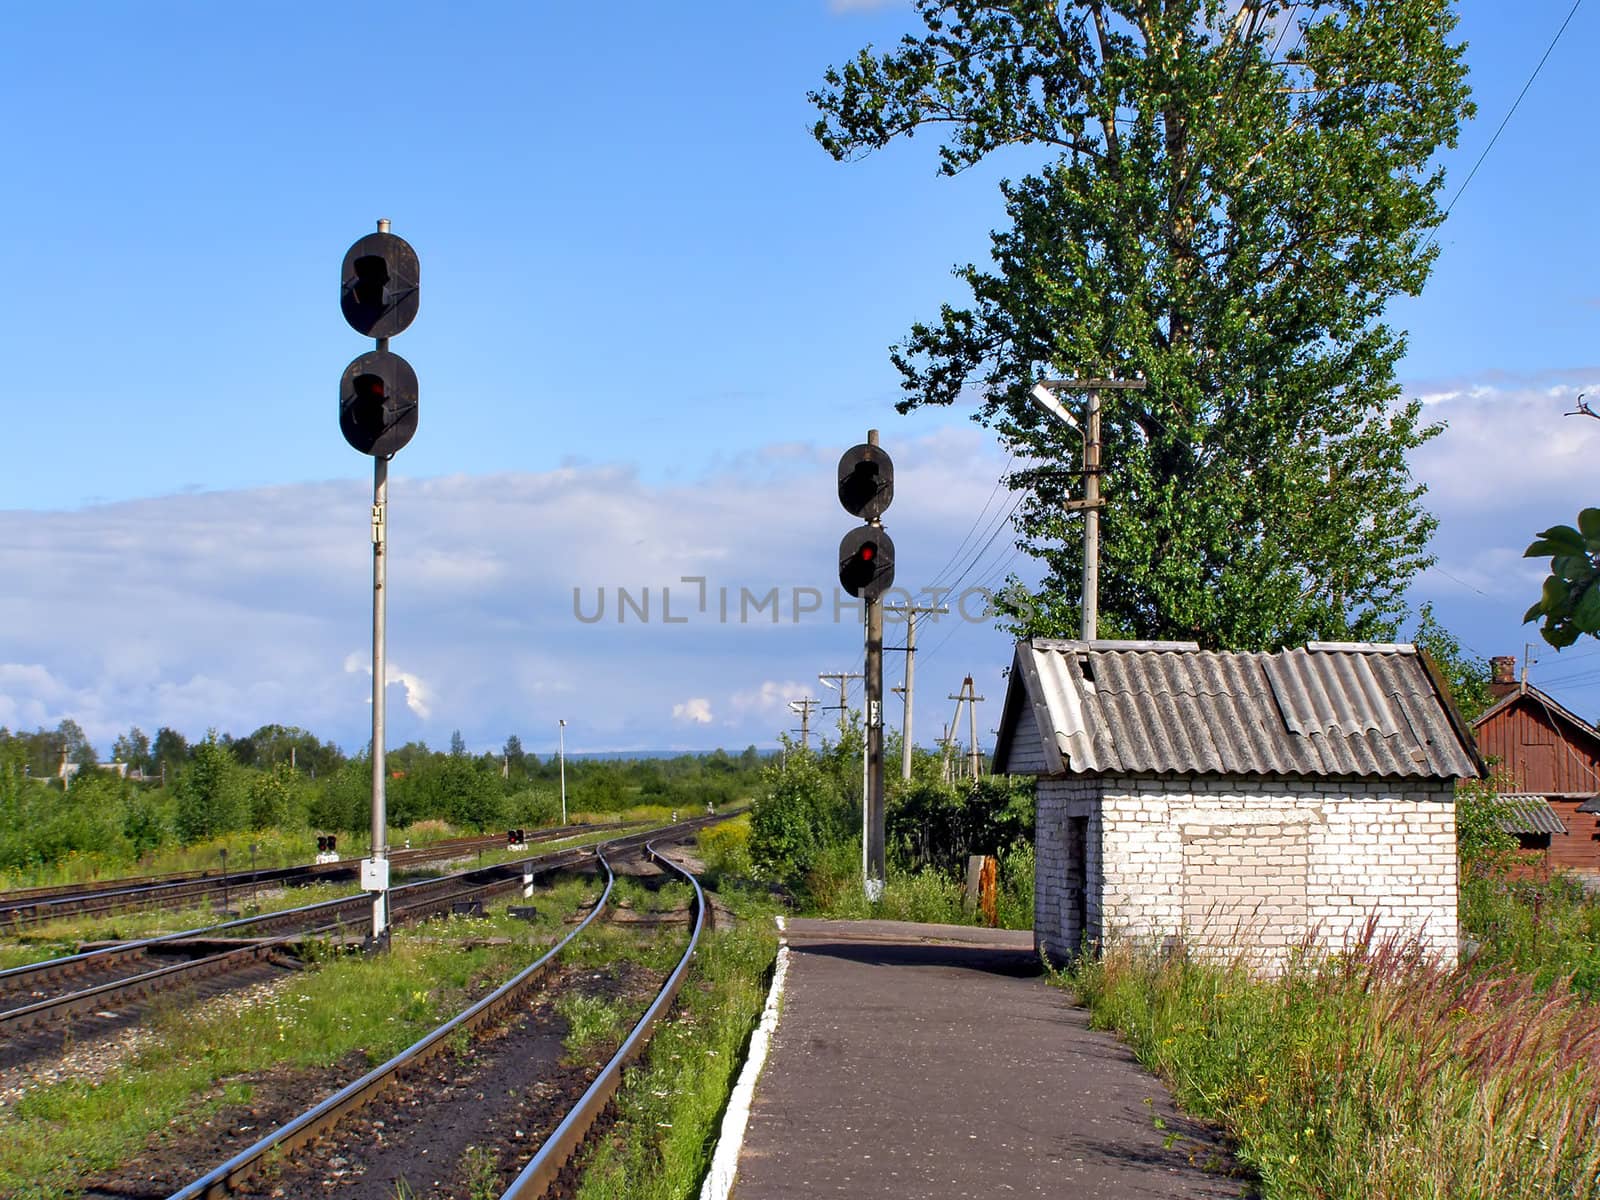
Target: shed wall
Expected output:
[1227,863]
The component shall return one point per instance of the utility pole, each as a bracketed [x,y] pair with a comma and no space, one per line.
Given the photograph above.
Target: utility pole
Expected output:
[911,612]
[1044,395]
[972,726]
[968,695]
[803,706]
[952,740]
[839,681]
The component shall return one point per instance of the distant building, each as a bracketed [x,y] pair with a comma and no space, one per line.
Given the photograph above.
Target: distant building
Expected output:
[1539,749]
[1241,802]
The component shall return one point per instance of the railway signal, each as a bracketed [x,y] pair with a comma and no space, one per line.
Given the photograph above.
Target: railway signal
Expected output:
[379,291]
[866,571]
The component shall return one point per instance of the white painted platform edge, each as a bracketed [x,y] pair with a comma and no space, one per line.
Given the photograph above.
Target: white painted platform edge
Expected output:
[730,1139]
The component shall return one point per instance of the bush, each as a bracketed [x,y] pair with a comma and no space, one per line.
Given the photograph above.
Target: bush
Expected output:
[532,807]
[725,850]
[799,818]
[1368,1074]
[211,792]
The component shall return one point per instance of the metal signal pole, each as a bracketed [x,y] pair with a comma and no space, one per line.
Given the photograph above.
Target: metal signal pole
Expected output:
[874,864]
[380,798]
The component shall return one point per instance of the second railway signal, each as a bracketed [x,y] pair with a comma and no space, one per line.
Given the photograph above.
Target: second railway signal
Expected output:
[866,571]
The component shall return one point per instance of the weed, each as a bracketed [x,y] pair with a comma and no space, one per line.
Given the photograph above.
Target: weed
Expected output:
[480,1173]
[589,1019]
[669,1106]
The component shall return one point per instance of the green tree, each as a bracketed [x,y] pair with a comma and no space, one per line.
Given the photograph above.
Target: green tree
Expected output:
[1570,599]
[275,799]
[458,745]
[1223,199]
[1467,675]
[211,792]
[75,743]
[170,753]
[470,792]
[132,748]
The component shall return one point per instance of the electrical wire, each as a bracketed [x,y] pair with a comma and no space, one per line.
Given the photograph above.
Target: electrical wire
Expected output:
[998,484]
[1504,121]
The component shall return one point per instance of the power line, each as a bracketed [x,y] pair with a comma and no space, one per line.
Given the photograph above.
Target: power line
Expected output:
[998,484]
[1504,121]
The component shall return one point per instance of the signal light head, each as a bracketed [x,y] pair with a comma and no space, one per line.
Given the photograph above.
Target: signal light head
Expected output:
[378,285]
[866,562]
[866,481]
[378,403]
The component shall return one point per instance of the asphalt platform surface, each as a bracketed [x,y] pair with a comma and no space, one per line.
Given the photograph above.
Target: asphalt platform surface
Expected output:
[934,1061]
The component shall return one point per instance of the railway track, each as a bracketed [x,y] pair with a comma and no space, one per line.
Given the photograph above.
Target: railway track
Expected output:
[102,981]
[557,1149]
[37,906]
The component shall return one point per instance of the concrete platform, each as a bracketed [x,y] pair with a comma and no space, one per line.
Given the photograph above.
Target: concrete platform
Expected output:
[934,1061]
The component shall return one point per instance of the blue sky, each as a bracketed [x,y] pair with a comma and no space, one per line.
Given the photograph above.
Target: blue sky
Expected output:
[654,311]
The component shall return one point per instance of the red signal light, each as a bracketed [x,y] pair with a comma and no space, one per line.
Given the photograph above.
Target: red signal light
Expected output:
[866,554]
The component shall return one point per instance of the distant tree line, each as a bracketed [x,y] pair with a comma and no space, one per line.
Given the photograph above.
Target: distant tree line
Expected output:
[175,792]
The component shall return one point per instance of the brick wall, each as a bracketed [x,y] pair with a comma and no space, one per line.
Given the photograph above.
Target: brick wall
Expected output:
[1220,861]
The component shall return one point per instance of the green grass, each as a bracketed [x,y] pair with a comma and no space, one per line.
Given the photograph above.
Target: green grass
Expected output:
[590,1019]
[1370,1076]
[369,1008]
[668,1109]
[1548,930]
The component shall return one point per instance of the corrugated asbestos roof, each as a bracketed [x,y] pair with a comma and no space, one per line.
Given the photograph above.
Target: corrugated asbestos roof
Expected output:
[1329,710]
[1521,812]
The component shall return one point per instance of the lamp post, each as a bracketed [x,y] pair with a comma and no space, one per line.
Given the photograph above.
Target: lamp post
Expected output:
[561,754]
[1044,395]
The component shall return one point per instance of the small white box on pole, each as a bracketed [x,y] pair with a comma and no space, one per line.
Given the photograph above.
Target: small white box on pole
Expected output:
[375,874]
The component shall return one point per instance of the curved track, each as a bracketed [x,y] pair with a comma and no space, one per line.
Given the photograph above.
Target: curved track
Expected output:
[563,1143]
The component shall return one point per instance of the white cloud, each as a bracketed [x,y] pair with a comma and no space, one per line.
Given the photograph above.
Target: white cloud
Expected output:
[696,709]
[771,697]
[417,692]
[234,609]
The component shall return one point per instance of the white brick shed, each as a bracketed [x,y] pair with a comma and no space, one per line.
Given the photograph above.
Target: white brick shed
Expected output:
[1240,801]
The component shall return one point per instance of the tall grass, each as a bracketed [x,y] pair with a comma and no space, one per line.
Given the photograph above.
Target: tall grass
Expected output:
[1370,1075]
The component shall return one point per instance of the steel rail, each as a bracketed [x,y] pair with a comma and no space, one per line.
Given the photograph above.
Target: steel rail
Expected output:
[13,977]
[292,1135]
[565,1141]
[95,998]
[20,910]
[415,902]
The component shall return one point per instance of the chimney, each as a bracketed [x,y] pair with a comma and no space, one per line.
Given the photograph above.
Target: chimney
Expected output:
[1502,675]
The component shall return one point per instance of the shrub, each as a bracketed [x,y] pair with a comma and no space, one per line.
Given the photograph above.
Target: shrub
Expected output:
[210,792]
[799,817]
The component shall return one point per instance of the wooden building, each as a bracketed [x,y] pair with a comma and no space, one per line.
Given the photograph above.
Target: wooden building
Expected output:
[1538,748]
